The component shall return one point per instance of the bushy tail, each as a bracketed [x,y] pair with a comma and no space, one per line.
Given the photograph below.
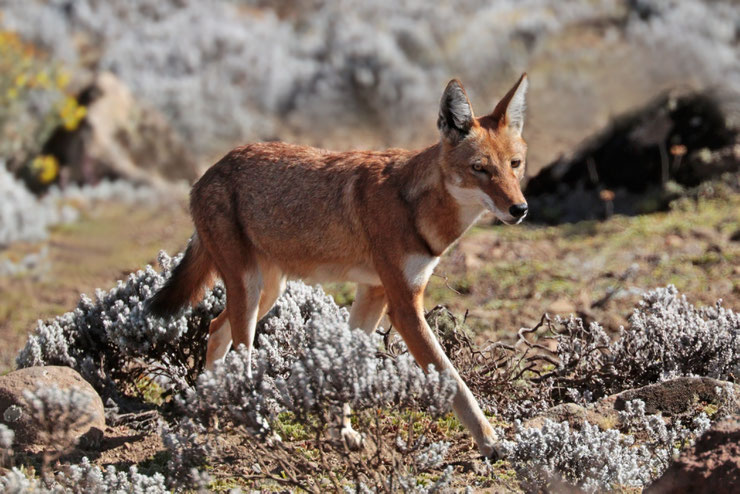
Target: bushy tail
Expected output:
[187,282]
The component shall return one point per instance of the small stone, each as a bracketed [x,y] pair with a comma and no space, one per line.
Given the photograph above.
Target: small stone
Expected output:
[673,240]
[562,306]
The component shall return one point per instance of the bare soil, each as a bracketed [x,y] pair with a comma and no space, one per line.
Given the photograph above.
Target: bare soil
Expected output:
[503,277]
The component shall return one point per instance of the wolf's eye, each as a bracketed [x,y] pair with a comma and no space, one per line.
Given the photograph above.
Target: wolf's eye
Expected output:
[516,163]
[477,167]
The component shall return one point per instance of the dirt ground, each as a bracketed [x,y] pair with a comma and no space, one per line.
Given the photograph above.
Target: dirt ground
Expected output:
[108,243]
[503,277]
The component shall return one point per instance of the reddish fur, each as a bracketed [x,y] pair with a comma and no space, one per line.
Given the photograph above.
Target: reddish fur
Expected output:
[187,282]
[267,211]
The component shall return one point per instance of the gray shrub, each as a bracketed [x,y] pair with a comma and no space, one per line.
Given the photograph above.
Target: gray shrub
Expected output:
[308,361]
[112,342]
[87,478]
[597,460]
[667,337]
[58,415]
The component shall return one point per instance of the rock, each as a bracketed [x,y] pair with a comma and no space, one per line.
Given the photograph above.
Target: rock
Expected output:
[575,415]
[712,465]
[674,397]
[678,396]
[680,138]
[15,412]
[562,306]
[120,138]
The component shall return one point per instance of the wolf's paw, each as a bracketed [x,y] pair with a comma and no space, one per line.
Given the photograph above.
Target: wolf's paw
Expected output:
[492,446]
[351,438]
[494,452]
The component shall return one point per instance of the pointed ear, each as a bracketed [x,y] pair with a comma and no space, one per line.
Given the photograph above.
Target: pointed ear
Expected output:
[455,112]
[510,110]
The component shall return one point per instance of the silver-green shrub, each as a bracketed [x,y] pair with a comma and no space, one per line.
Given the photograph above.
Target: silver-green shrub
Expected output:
[667,337]
[6,445]
[309,360]
[112,342]
[596,460]
[58,415]
[86,478]
[670,337]
[23,216]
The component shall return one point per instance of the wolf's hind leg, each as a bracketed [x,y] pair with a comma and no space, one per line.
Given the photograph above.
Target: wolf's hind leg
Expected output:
[367,310]
[219,339]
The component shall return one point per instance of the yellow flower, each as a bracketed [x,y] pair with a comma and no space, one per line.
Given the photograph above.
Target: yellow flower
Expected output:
[46,167]
[62,79]
[42,79]
[12,93]
[21,80]
[71,113]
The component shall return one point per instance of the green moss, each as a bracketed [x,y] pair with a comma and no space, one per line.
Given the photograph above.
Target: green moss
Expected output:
[343,293]
[710,409]
[290,429]
[149,390]
[449,424]
[224,484]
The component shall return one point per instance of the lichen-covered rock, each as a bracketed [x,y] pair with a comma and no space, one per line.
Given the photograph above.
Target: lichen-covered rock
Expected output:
[18,414]
[575,415]
[711,466]
[680,395]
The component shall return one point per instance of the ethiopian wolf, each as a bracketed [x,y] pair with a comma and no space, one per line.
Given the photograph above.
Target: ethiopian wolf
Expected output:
[267,212]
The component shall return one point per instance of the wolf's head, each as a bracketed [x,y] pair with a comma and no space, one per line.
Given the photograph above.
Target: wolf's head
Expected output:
[484,158]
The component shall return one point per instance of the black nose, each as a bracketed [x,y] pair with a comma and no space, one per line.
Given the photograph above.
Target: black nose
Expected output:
[518,210]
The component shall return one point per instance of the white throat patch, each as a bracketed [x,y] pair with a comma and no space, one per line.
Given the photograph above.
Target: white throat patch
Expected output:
[472,203]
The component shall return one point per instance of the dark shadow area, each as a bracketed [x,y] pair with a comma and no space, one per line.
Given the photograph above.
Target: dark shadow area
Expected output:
[638,164]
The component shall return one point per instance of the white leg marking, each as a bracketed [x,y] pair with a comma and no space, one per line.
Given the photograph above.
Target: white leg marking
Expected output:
[254,292]
[417,268]
[350,437]
[218,344]
[367,310]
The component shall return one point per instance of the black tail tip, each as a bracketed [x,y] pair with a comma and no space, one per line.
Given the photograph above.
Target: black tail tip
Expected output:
[158,305]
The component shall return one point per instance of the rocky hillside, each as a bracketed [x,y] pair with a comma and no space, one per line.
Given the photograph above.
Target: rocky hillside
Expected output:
[346,74]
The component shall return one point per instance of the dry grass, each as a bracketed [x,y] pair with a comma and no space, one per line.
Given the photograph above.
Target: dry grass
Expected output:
[106,245]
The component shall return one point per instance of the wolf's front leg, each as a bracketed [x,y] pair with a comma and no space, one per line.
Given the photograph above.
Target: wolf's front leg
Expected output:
[406,312]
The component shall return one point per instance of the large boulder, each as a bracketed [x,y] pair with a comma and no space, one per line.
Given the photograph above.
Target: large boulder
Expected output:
[711,466]
[15,411]
[676,397]
[680,395]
